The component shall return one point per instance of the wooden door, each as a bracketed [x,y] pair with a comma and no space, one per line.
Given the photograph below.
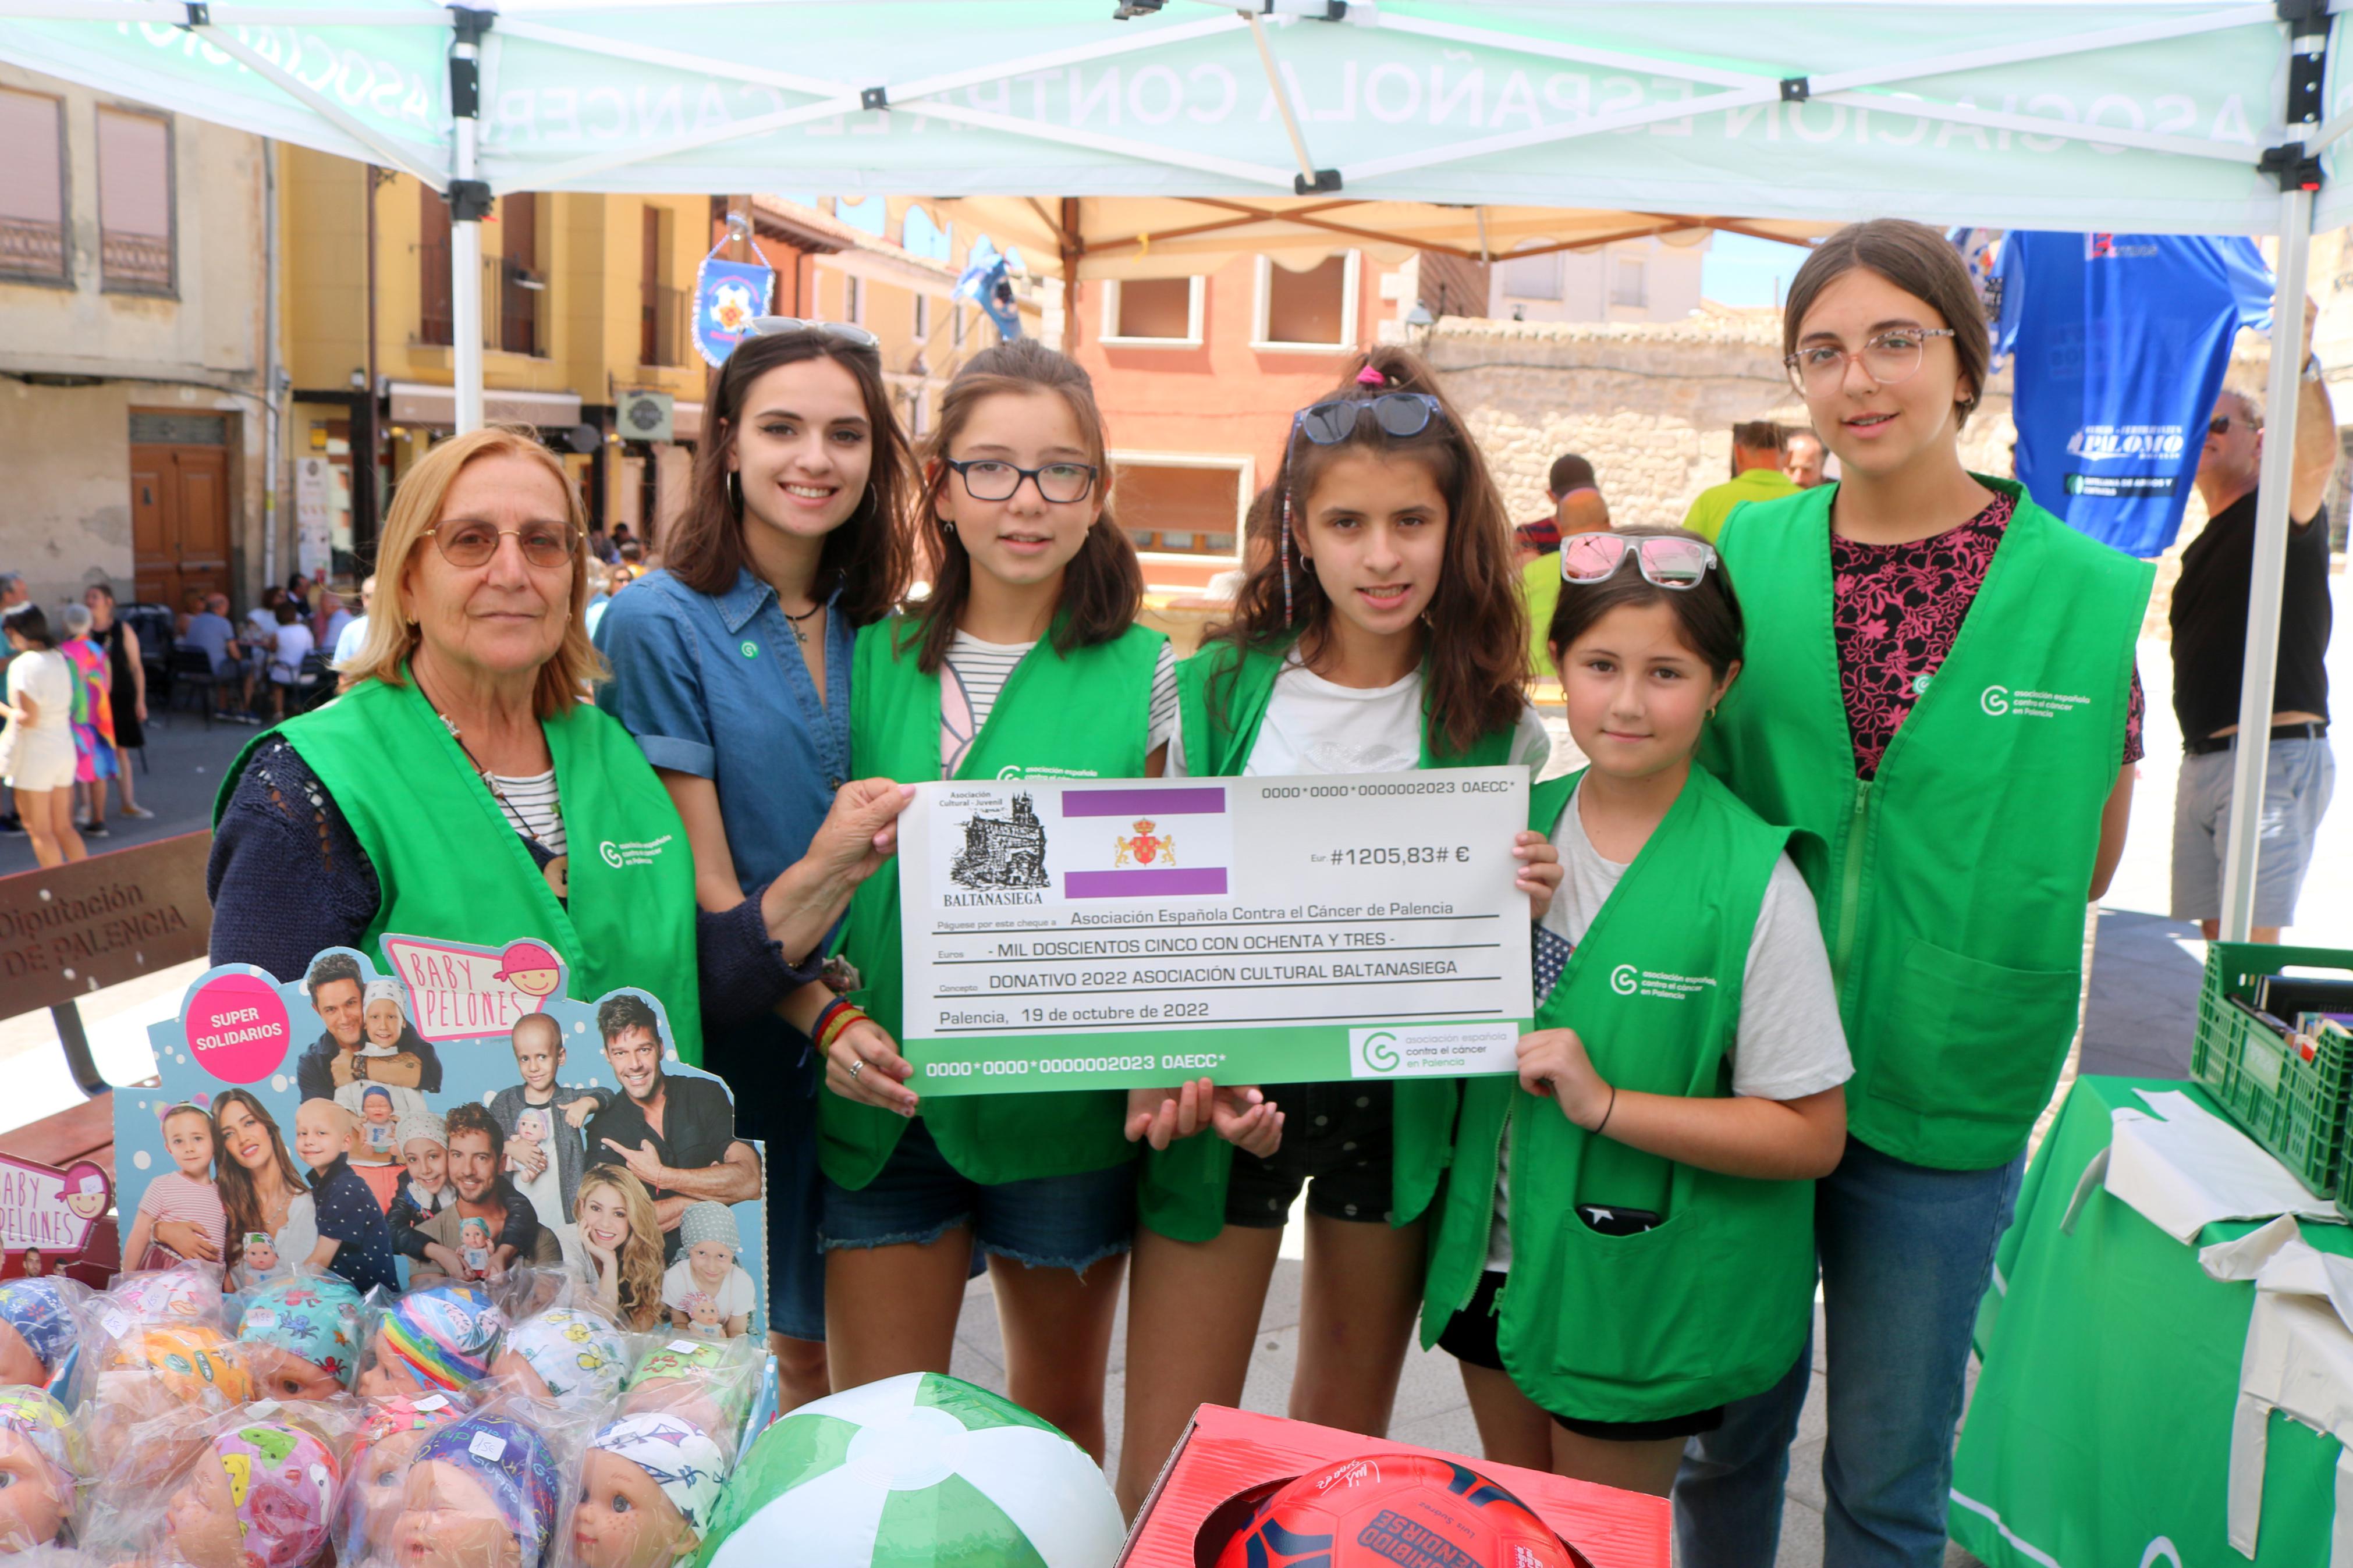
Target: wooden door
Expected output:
[179,512]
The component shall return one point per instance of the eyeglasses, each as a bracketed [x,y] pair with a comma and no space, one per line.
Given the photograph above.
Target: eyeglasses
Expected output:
[1887,357]
[1664,562]
[989,479]
[2221,423]
[849,332]
[471,544]
[1399,414]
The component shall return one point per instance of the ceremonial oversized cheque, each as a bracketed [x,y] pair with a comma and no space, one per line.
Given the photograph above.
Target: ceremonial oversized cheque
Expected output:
[1099,933]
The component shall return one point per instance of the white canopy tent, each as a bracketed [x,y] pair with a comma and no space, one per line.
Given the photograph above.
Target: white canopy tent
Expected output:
[2184,116]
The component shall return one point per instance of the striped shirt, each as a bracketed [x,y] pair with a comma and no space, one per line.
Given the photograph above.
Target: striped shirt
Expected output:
[531,807]
[179,1196]
[976,671]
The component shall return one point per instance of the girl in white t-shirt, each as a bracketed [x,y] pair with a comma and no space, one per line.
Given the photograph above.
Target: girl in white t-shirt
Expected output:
[37,749]
[293,644]
[1386,635]
[706,1291]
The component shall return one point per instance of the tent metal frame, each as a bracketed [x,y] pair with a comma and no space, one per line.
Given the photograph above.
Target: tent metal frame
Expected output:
[2294,164]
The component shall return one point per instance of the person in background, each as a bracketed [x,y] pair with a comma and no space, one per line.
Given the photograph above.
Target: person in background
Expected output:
[127,666]
[339,619]
[1578,507]
[293,646]
[92,722]
[2210,654]
[12,594]
[37,754]
[1802,459]
[600,546]
[1260,525]
[348,642]
[1757,453]
[192,604]
[600,591]
[210,629]
[621,539]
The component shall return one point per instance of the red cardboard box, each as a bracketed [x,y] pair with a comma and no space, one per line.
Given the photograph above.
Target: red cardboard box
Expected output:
[1227,1453]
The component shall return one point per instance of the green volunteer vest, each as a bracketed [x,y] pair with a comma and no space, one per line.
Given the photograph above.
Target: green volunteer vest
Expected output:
[1952,897]
[1181,1194]
[450,865]
[1713,1304]
[1086,714]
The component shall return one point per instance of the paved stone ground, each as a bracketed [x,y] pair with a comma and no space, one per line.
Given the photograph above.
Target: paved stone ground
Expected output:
[2140,1012]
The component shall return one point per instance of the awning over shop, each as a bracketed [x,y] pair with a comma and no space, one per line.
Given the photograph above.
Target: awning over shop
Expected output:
[420,402]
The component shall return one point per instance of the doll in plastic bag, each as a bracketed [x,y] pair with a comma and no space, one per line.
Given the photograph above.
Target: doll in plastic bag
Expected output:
[707,1383]
[261,1495]
[433,1340]
[187,1292]
[383,1454]
[482,1494]
[43,1469]
[649,1487]
[38,1331]
[567,1356]
[151,1385]
[301,1337]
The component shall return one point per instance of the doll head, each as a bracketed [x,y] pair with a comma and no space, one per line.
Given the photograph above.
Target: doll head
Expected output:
[707,1230]
[375,1103]
[158,1366]
[259,1497]
[573,1358]
[474,1232]
[649,1487]
[260,1255]
[186,1292]
[434,1340]
[42,1467]
[703,1383]
[382,1455]
[480,1494]
[383,1019]
[301,1338]
[37,1330]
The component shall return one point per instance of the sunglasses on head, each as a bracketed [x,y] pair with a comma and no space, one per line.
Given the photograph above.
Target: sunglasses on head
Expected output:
[855,336]
[1664,563]
[1399,414]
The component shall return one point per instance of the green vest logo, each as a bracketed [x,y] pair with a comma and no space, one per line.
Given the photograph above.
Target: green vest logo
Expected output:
[1625,979]
[750,648]
[1999,701]
[1380,1051]
[637,852]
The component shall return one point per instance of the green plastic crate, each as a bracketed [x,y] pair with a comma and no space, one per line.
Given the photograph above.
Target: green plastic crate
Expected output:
[2292,1106]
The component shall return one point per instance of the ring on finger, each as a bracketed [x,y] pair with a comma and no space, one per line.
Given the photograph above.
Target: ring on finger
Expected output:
[857,1066]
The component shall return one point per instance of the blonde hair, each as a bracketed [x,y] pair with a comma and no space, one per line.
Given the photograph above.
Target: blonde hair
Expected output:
[641,1259]
[392,639]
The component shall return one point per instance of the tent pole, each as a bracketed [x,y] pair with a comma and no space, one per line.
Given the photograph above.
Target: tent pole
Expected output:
[2248,759]
[470,202]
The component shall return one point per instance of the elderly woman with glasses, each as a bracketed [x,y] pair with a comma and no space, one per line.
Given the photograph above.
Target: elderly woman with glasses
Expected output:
[445,792]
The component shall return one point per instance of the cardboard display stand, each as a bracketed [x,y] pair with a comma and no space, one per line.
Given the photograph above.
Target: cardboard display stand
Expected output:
[241,1028]
[1227,1457]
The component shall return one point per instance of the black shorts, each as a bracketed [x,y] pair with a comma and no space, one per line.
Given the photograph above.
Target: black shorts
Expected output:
[1337,1143]
[1469,1337]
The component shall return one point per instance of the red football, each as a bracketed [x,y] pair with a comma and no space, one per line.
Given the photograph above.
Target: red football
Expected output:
[1396,1510]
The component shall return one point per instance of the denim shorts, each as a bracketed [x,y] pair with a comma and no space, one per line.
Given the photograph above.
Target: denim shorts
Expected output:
[1338,1143]
[1046,1222]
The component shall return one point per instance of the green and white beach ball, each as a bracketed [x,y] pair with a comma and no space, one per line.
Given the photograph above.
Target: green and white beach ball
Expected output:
[920,1470]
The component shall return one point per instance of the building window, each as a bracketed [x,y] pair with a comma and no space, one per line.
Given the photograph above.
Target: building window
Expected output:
[134,202]
[1532,277]
[923,319]
[1183,507]
[662,309]
[33,187]
[522,281]
[853,296]
[1162,312]
[1629,283]
[1315,309]
[435,321]
[963,322]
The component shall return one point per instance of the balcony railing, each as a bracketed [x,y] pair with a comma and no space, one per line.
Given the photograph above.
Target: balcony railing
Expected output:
[30,248]
[135,261]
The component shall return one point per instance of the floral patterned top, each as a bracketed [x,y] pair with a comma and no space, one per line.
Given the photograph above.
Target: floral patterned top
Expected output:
[1895,612]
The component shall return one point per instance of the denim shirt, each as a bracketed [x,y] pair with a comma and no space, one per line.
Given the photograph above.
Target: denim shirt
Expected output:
[715,685]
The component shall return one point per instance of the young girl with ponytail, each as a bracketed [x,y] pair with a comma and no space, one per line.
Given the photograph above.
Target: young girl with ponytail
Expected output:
[1386,635]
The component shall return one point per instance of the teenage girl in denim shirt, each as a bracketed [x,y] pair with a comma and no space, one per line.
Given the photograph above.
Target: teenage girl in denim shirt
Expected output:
[731,666]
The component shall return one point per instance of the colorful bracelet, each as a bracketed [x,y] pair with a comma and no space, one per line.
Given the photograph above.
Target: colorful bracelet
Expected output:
[839,1015]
